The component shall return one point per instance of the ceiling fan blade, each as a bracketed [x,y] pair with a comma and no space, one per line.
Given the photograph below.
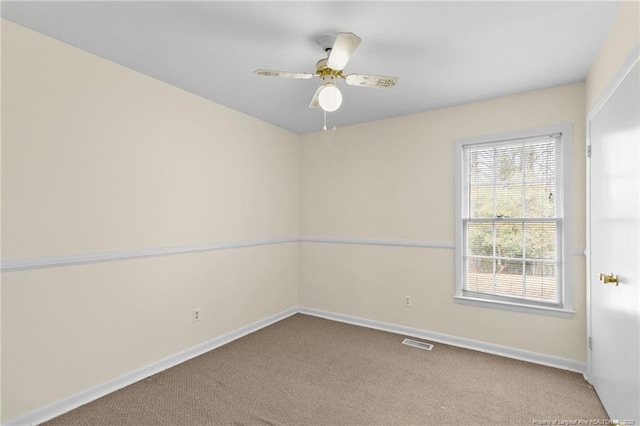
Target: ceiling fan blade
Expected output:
[285,74]
[381,81]
[343,48]
[315,103]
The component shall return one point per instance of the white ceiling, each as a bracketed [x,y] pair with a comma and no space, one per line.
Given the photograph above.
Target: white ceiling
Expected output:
[444,53]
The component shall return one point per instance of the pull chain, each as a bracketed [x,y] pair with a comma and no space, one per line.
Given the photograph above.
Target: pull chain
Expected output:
[325,123]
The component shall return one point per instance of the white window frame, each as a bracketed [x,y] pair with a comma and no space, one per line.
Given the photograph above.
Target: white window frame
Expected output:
[565,267]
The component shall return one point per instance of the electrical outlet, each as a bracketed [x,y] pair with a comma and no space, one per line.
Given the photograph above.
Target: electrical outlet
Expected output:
[407,301]
[196,315]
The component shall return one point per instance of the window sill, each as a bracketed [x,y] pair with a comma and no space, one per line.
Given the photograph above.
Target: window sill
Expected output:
[515,307]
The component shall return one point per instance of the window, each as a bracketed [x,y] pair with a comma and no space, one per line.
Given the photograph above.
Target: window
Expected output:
[512,229]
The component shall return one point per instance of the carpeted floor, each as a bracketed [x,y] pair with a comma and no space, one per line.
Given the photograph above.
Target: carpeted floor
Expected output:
[306,370]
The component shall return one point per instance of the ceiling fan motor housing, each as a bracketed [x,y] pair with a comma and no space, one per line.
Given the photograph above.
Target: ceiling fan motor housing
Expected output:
[322,69]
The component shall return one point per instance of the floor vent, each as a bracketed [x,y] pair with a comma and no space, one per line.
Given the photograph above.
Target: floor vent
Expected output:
[416,344]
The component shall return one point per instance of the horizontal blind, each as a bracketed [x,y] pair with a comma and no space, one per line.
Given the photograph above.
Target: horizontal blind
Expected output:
[512,220]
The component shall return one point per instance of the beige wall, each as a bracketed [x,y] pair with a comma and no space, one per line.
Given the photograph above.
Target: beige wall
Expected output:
[394,179]
[98,158]
[623,37]
[101,158]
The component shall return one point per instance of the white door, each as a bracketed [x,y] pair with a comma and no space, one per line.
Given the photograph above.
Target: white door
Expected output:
[614,173]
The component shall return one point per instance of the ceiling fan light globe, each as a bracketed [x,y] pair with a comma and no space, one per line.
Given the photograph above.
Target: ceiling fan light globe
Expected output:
[330,98]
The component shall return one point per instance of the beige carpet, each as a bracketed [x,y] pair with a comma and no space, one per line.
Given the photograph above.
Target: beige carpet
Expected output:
[306,370]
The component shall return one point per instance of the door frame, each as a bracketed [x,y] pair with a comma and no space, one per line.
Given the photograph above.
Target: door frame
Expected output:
[615,82]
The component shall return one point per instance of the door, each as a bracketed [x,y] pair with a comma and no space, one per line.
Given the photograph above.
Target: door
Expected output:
[614,182]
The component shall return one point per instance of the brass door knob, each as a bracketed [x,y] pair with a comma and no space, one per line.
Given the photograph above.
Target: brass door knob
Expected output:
[611,278]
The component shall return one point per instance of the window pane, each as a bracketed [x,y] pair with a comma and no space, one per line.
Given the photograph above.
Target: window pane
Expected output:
[509,278]
[540,199]
[480,275]
[480,239]
[509,199]
[542,281]
[540,175]
[540,240]
[481,182]
[480,166]
[509,239]
[481,202]
[508,164]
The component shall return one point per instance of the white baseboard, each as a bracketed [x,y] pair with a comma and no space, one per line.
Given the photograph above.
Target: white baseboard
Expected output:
[505,351]
[62,406]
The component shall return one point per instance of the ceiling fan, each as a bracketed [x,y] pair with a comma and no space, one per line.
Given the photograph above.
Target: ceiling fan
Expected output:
[328,96]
